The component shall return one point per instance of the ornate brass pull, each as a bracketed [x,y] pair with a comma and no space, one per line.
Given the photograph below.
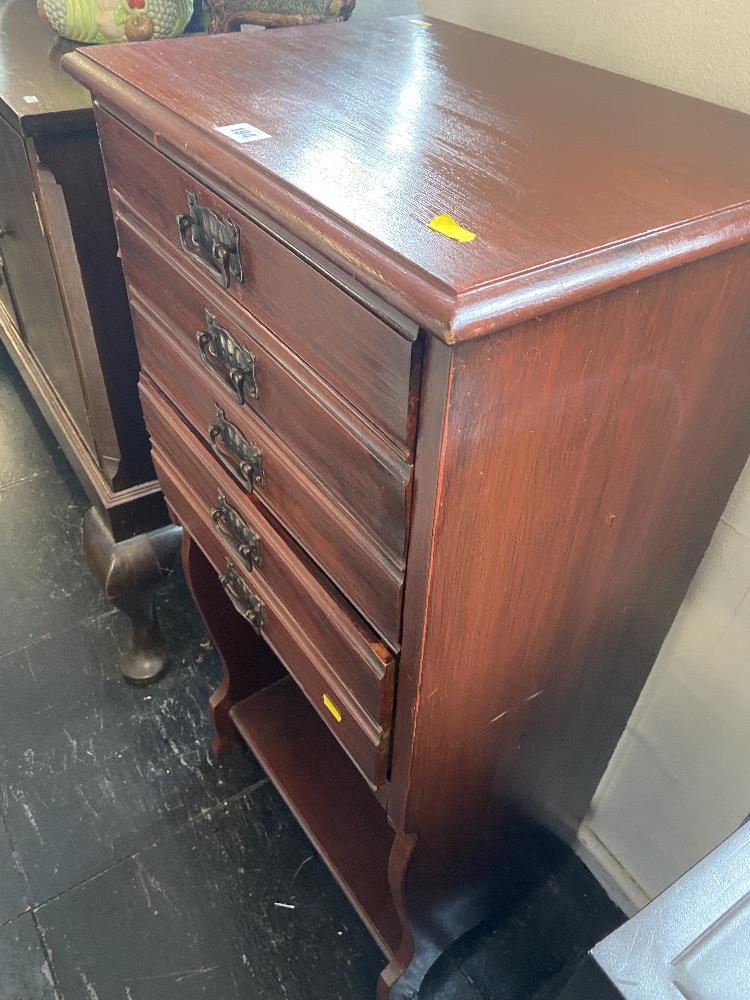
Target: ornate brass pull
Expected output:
[230,524]
[243,599]
[222,355]
[235,452]
[212,242]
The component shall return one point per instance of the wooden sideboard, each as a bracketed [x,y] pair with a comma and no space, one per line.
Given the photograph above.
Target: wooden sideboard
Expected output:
[456,491]
[64,320]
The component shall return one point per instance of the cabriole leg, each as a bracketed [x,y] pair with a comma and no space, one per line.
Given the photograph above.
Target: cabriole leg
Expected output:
[130,573]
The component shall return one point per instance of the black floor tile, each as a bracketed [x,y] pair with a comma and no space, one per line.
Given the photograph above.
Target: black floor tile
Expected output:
[24,972]
[540,936]
[136,933]
[27,447]
[92,769]
[13,897]
[178,616]
[445,982]
[44,585]
[263,919]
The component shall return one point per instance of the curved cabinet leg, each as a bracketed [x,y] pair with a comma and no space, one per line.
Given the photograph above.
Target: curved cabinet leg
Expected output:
[403,976]
[130,573]
[248,662]
[439,899]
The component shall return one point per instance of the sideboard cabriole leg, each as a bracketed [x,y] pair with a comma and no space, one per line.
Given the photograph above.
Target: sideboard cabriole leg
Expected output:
[130,572]
[248,663]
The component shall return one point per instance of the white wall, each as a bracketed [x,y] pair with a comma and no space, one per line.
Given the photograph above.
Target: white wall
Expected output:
[699,47]
[679,781]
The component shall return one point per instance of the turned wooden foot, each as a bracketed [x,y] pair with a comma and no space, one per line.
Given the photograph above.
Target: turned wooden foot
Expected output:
[130,572]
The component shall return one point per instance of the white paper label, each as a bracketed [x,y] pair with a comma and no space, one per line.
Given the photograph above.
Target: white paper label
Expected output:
[31,99]
[242,132]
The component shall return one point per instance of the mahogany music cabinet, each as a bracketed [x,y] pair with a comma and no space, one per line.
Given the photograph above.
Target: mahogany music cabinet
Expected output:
[455,487]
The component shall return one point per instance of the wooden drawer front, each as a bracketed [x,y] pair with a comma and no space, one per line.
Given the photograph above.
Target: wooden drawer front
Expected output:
[370,682]
[329,651]
[361,356]
[371,577]
[353,464]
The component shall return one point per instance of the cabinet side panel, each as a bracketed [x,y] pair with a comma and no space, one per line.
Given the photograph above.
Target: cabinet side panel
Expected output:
[586,460]
[33,288]
[102,334]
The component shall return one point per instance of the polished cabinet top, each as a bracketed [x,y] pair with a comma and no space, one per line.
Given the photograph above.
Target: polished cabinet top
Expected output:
[571,177]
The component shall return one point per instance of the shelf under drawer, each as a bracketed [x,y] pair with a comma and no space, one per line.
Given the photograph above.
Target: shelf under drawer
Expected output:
[327,795]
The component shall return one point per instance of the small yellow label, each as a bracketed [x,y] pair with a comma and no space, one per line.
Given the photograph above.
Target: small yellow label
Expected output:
[422,24]
[331,708]
[446,225]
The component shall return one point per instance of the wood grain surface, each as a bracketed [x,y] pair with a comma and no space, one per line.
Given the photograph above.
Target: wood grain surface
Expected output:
[574,179]
[349,346]
[353,650]
[321,671]
[598,449]
[351,463]
[368,567]
[580,403]
[344,822]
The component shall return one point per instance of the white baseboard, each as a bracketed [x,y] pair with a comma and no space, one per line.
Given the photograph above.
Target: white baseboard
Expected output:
[621,888]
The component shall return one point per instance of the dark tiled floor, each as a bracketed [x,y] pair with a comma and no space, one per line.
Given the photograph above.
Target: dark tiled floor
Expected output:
[135,867]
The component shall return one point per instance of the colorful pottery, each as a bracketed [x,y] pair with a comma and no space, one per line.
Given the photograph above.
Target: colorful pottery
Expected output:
[116,20]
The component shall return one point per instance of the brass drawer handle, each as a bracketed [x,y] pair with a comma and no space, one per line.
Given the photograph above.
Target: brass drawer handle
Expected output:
[243,599]
[231,363]
[235,452]
[212,242]
[231,525]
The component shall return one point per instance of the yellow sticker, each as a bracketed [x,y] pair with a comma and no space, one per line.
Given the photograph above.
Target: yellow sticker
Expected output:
[331,708]
[422,24]
[446,225]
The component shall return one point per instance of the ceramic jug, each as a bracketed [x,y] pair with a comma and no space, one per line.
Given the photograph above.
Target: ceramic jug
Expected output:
[116,20]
